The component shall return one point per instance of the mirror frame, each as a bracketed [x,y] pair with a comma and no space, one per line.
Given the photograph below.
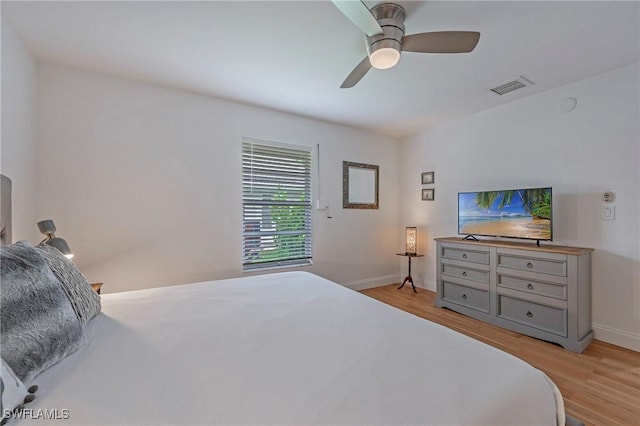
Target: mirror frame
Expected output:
[346,165]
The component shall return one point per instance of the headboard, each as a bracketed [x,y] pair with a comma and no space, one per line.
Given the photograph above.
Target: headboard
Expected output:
[5,210]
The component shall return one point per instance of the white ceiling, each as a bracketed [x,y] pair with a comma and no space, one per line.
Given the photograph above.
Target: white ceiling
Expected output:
[293,55]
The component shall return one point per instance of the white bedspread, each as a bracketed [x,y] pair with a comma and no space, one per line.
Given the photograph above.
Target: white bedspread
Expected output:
[287,348]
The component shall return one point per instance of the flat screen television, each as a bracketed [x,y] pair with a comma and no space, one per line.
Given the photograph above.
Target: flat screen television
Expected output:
[515,213]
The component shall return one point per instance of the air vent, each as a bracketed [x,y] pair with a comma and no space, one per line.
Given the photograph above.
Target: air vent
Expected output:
[512,85]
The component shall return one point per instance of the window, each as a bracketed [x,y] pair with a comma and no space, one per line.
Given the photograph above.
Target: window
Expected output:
[276,205]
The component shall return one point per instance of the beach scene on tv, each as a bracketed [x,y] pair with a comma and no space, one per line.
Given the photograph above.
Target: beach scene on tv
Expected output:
[522,213]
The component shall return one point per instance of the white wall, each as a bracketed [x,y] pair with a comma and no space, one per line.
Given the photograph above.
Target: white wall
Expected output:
[532,143]
[18,149]
[145,183]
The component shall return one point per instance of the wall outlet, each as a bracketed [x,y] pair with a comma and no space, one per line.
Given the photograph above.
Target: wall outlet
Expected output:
[608,212]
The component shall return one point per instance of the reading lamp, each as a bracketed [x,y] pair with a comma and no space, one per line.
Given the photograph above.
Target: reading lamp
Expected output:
[412,240]
[48,228]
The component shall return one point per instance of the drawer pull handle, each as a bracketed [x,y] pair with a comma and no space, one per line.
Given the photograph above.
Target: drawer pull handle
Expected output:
[530,286]
[529,314]
[464,255]
[464,273]
[464,296]
[529,265]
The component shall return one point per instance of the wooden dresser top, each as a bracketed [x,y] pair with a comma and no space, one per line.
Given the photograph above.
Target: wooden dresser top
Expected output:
[548,248]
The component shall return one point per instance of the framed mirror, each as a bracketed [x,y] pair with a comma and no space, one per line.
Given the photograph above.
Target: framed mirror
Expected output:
[359,186]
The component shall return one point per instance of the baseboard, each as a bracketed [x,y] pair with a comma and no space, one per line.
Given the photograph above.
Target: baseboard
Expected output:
[371,282]
[616,337]
[430,285]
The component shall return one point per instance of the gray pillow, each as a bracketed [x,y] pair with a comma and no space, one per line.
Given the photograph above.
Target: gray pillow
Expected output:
[85,301]
[38,326]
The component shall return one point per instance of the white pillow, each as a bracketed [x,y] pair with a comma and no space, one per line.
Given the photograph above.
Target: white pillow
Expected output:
[13,391]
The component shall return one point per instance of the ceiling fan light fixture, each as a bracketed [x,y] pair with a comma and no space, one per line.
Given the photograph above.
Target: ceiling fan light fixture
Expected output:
[386,40]
[384,58]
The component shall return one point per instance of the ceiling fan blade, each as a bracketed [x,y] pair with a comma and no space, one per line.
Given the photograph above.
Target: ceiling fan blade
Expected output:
[356,75]
[441,42]
[359,14]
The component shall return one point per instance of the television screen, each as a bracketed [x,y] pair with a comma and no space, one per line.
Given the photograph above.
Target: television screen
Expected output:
[516,213]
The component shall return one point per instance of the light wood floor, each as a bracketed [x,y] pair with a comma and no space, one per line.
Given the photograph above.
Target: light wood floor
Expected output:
[601,386]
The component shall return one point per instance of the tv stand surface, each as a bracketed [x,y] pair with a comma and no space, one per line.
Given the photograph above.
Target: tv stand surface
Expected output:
[549,248]
[541,291]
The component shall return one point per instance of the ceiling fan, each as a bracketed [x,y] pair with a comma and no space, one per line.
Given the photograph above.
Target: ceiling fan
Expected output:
[385,39]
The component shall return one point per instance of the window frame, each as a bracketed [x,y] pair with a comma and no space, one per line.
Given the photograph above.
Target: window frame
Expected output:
[263,164]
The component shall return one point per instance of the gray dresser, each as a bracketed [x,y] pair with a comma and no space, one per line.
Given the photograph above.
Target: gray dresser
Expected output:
[543,292]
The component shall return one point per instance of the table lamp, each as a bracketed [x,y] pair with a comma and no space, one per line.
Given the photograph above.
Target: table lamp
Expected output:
[48,228]
[411,240]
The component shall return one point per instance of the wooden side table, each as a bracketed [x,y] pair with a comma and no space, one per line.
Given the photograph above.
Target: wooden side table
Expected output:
[96,287]
[408,277]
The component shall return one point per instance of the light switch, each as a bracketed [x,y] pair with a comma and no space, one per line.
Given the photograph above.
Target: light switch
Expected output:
[322,204]
[608,212]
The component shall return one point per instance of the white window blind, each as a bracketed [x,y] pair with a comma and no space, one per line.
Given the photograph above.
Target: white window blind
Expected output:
[276,205]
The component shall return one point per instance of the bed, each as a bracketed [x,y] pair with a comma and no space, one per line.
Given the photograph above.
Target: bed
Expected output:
[278,349]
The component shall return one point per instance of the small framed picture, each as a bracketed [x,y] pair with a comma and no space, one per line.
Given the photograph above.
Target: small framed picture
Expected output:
[428,178]
[428,194]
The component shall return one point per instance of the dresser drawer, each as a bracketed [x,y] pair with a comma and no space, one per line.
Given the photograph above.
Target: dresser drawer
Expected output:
[542,317]
[557,291]
[544,266]
[472,274]
[466,296]
[475,256]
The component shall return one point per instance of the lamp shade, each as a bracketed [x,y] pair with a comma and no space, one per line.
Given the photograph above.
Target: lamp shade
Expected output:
[48,228]
[411,240]
[61,245]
